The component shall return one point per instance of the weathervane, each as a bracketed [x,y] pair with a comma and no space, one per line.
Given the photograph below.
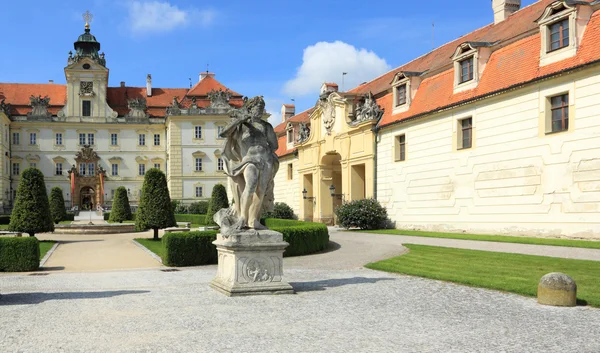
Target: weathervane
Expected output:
[87,17]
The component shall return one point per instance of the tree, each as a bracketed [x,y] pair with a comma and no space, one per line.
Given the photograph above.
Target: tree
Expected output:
[155,210]
[57,205]
[121,211]
[218,200]
[199,207]
[31,213]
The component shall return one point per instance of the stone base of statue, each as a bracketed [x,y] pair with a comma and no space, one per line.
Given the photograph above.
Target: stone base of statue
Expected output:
[251,263]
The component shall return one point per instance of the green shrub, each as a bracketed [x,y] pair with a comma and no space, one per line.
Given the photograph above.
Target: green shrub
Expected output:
[218,200]
[57,205]
[121,211]
[31,213]
[69,217]
[304,237]
[19,254]
[192,218]
[107,216]
[190,248]
[155,210]
[281,210]
[363,214]
[178,207]
[5,219]
[200,207]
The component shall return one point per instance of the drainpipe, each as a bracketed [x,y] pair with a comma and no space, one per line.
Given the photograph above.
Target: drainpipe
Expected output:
[375,130]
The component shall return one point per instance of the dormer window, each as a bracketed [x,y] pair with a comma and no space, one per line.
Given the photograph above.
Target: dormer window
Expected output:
[559,35]
[405,85]
[466,69]
[289,132]
[470,59]
[562,26]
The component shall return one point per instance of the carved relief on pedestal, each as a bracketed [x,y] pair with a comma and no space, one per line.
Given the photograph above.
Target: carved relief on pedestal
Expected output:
[258,269]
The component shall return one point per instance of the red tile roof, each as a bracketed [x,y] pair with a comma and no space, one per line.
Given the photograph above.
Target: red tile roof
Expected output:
[513,65]
[17,94]
[299,118]
[283,150]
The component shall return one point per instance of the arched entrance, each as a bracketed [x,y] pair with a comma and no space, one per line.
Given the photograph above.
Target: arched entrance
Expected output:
[331,195]
[88,198]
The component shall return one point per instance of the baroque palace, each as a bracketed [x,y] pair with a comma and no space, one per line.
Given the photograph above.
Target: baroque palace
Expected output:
[496,132]
[90,139]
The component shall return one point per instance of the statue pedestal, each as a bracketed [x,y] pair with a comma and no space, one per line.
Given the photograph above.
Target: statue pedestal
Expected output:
[251,263]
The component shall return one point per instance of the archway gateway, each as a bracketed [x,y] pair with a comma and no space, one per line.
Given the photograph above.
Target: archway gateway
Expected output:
[87,179]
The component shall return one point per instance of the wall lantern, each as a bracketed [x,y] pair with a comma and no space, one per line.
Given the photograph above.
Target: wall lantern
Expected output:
[304,193]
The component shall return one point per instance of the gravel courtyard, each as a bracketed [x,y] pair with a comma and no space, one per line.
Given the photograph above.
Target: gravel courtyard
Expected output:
[339,307]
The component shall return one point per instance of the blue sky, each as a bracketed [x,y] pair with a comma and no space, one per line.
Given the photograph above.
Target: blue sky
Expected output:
[278,49]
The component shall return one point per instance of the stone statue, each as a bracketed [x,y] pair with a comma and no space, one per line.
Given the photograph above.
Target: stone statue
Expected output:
[303,132]
[368,110]
[40,106]
[219,99]
[251,164]
[137,108]
[174,109]
[5,107]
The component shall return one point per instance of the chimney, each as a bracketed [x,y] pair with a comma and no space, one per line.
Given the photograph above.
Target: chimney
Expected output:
[206,74]
[149,85]
[287,111]
[50,81]
[122,83]
[329,87]
[504,8]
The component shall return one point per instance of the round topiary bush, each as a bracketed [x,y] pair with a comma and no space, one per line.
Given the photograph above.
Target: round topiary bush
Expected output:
[31,213]
[121,211]
[281,210]
[218,200]
[200,207]
[57,205]
[363,214]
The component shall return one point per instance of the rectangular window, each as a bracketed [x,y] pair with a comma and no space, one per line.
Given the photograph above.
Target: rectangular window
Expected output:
[91,139]
[91,169]
[290,171]
[142,169]
[198,164]
[401,95]
[400,148]
[15,138]
[33,138]
[32,165]
[115,169]
[112,194]
[466,70]
[16,169]
[82,169]
[559,35]
[86,108]
[156,139]
[59,138]
[82,139]
[198,191]
[142,139]
[466,135]
[198,132]
[113,139]
[59,169]
[220,130]
[220,164]
[560,112]
[157,166]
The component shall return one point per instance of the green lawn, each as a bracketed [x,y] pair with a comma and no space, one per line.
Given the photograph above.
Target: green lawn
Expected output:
[152,245]
[497,238]
[3,226]
[507,272]
[45,246]
[65,222]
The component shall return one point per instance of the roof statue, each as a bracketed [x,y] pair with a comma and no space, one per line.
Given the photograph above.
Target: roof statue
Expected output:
[219,99]
[137,108]
[39,106]
[174,109]
[5,107]
[367,110]
[303,132]
[250,164]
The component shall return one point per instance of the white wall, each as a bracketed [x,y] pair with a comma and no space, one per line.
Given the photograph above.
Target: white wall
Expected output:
[285,190]
[515,180]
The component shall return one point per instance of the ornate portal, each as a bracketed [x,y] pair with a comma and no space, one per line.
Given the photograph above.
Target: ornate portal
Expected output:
[87,180]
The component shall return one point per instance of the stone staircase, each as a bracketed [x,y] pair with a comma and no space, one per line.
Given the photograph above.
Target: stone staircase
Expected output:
[87,215]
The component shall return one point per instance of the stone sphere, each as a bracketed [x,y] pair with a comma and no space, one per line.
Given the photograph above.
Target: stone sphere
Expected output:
[557,289]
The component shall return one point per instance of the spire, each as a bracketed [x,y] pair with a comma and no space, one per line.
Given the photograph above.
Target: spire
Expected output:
[87,45]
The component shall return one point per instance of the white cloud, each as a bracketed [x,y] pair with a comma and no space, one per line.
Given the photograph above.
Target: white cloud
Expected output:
[157,16]
[273,107]
[325,62]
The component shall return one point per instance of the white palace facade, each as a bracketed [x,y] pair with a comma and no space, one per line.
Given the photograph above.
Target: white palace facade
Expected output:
[89,138]
[496,132]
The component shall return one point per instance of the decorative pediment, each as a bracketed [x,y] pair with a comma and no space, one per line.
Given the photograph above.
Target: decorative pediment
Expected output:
[115,160]
[141,160]
[16,158]
[59,159]
[198,154]
[87,155]
[557,9]
[32,158]
[218,152]
[157,160]
[328,112]
[137,108]
[468,48]
[39,106]
[219,99]
[404,75]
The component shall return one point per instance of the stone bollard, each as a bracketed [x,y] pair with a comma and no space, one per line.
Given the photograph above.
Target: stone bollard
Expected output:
[557,289]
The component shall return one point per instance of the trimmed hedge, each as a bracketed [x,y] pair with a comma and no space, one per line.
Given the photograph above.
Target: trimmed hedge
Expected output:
[19,254]
[196,248]
[5,219]
[107,216]
[192,218]
[190,248]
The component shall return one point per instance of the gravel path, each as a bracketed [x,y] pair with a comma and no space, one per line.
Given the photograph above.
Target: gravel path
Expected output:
[334,311]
